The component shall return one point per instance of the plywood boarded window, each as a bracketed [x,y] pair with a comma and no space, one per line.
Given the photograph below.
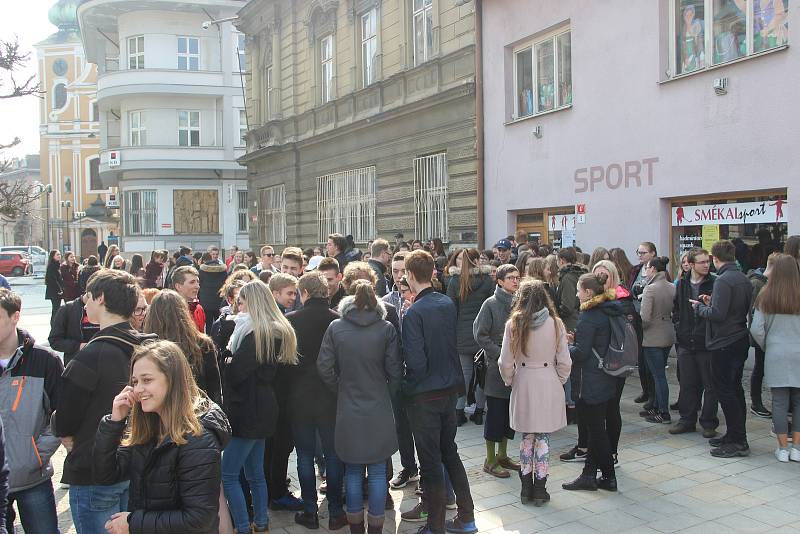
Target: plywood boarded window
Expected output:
[196,211]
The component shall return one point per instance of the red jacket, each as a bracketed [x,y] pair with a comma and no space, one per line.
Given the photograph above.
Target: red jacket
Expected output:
[198,314]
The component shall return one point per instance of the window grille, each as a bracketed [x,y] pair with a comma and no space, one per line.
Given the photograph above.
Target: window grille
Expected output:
[346,204]
[241,196]
[141,212]
[272,215]
[430,197]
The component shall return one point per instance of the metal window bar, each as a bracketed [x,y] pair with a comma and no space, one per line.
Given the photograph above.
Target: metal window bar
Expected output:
[430,197]
[242,211]
[272,215]
[346,204]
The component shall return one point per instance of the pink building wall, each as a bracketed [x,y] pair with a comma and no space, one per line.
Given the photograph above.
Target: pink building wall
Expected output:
[748,139]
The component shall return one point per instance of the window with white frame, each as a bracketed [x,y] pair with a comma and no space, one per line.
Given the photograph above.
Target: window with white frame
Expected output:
[136,52]
[94,111]
[430,197]
[241,209]
[423,30]
[136,128]
[369,46]
[188,53]
[326,68]
[272,215]
[188,128]
[705,33]
[543,75]
[269,85]
[140,212]
[242,128]
[240,50]
[346,204]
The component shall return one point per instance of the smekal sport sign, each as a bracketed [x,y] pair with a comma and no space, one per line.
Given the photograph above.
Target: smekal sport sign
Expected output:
[767,211]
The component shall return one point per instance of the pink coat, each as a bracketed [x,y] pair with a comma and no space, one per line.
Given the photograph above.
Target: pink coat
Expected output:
[537,378]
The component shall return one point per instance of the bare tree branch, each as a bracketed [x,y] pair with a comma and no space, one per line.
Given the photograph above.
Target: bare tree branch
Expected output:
[17,197]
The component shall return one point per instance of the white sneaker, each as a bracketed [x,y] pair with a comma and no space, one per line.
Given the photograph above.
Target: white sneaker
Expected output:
[794,454]
[783,454]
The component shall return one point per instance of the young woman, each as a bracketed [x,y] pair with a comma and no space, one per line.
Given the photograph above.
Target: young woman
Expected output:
[469,285]
[595,388]
[136,267]
[598,254]
[359,359]
[119,263]
[776,328]
[113,252]
[622,263]
[165,437]
[261,340]
[250,259]
[658,333]
[488,330]
[535,362]
[139,314]
[238,258]
[53,282]
[524,260]
[91,267]
[156,269]
[537,270]
[69,276]
[168,317]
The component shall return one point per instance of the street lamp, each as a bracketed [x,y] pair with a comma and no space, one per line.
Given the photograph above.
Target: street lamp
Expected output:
[66,204]
[46,189]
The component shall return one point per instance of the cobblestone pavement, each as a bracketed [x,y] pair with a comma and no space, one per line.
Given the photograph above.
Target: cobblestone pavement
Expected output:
[667,483]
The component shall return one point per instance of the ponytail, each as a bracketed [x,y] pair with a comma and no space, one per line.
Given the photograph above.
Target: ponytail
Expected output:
[659,263]
[364,295]
[594,282]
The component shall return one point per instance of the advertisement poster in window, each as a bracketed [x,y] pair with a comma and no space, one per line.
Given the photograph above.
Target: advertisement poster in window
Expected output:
[710,235]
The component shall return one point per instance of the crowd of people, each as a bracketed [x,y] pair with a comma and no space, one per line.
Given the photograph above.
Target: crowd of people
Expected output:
[188,381]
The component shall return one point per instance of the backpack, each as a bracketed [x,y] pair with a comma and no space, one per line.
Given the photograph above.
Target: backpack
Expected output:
[622,356]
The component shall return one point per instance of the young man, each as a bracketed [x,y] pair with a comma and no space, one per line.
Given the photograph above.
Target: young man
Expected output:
[329,268]
[89,384]
[696,389]
[758,278]
[504,252]
[380,260]
[71,328]
[213,274]
[186,281]
[314,405]
[395,296]
[433,382]
[727,338]
[284,289]
[267,260]
[335,247]
[292,263]
[27,411]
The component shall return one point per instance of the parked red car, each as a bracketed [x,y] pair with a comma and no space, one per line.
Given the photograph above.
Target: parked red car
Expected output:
[14,264]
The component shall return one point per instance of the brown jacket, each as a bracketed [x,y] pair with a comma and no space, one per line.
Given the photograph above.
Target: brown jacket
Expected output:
[657,301]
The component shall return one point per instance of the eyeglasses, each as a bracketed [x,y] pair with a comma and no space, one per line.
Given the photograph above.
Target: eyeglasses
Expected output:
[641,252]
[512,278]
[140,311]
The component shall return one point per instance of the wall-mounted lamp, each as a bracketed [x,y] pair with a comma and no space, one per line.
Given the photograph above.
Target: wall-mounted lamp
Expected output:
[537,131]
[721,86]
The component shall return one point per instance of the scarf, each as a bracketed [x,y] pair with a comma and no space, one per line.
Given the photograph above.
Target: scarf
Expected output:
[244,325]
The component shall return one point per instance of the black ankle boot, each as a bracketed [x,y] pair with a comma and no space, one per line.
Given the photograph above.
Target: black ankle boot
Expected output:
[607,483]
[526,493]
[540,495]
[477,416]
[460,418]
[583,482]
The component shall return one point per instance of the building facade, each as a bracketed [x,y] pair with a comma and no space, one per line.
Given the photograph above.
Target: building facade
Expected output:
[362,120]
[675,127]
[29,228]
[171,107]
[76,211]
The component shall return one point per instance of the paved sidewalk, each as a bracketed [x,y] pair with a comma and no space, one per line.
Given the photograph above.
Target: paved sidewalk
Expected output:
[667,484]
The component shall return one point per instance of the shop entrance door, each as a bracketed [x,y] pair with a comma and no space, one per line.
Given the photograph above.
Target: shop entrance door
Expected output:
[535,222]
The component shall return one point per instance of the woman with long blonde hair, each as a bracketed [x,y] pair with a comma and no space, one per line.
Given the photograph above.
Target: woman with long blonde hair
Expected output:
[535,362]
[171,451]
[261,340]
[168,317]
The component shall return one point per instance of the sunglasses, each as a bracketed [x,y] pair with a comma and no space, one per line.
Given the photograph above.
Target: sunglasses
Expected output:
[269,254]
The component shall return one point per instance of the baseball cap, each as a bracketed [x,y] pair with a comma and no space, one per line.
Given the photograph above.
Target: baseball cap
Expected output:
[504,243]
[313,262]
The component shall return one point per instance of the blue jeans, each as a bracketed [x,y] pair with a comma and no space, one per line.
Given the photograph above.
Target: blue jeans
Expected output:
[305,440]
[376,486]
[93,506]
[248,454]
[656,358]
[37,509]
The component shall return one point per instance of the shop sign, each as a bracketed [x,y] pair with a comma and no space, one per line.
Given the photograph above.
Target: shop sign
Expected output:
[580,211]
[688,242]
[558,223]
[114,158]
[767,211]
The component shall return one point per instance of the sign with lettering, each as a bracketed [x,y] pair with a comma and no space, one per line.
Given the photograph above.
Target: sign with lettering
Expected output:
[558,223]
[767,211]
[710,235]
[114,158]
[627,174]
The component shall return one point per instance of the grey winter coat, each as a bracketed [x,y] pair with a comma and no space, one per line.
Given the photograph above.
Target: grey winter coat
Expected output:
[657,302]
[482,288]
[777,335]
[488,330]
[359,359]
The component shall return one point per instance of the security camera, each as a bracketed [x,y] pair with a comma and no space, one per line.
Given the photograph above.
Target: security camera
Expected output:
[206,24]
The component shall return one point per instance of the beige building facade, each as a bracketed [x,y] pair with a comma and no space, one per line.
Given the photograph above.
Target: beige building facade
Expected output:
[361,117]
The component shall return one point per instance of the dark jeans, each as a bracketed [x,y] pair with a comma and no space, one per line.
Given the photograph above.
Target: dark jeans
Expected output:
[37,509]
[305,439]
[613,421]
[727,365]
[656,359]
[56,305]
[211,316]
[599,456]
[697,390]
[757,377]
[433,423]
[276,457]
[405,438]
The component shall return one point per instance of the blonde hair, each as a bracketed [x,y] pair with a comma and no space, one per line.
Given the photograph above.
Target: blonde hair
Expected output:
[182,403]
[358,270]
[269,324]
[613,273]
[279,281]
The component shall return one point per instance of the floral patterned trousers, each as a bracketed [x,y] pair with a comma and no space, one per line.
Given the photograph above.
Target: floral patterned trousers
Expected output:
[534,454]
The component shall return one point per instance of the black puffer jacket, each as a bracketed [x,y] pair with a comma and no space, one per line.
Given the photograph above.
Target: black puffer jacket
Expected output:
[589,382]
[690,328]
[174,488]
[212,277]
[482,288]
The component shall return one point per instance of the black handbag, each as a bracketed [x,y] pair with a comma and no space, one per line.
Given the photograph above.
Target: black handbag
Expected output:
[479,368]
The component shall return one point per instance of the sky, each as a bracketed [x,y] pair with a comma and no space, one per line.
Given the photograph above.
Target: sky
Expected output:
[19,117]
